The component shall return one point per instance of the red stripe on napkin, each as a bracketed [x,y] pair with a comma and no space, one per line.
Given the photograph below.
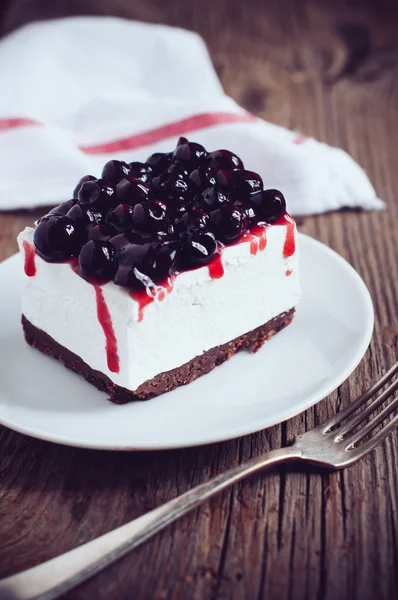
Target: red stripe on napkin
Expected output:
[14,123]
[188,125]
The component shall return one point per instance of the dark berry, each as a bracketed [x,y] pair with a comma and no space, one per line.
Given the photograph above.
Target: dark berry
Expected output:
[269,205]
[57,238]
[62,209]
[121,217]
[100,232]
[224,159]
[97,194]
[196,218]
[248,208]
[190,153]
[131,191]
[170,186]
[141,265]
[226,179]
[83,216]
[141,171]
[150,216]
[247,182]
[229,223]
[214,197]
[159,161]
[115,170]
[96,260]
[181,141]
[178,205]
[202,178]
[79,185]
[198,247]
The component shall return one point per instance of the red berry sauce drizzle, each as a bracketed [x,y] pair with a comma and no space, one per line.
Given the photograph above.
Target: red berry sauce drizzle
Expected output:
[145,297]
[30,265]
[105,320]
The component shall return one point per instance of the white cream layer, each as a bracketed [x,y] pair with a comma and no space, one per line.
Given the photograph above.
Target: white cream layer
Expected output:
[197,315]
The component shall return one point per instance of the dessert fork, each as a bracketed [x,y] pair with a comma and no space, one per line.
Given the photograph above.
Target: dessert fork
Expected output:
[337,443]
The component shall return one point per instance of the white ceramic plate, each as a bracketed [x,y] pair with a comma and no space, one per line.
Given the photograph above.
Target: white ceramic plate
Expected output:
[294,370]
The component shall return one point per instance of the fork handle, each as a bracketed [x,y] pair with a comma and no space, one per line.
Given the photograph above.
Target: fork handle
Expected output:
[58,575]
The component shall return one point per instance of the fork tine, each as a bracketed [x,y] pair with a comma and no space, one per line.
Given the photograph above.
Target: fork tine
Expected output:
[360,417]
[359,451]
[364,431]
[353,406]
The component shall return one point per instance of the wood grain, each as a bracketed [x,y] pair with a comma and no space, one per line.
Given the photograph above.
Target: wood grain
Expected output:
[328,69]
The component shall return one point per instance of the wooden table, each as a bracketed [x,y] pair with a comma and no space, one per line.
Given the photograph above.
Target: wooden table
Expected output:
[331,71]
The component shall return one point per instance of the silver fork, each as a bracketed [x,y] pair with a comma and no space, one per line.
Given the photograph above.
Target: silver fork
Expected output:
[336,444]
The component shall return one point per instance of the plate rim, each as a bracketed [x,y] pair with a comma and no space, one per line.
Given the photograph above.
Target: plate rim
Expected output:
[283,416]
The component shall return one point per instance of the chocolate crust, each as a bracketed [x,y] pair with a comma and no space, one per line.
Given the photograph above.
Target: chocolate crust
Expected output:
[164,382]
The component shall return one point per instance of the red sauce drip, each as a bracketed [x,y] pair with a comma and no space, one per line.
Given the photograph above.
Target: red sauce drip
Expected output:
[289,272]
[105,321]
[257,237]
[216,268]
[253,245]
[30,265]
[145,297]
[289,247]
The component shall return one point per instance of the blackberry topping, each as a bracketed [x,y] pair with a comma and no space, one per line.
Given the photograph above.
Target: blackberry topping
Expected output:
[269,205]
[102,232]
[190,153]
[142,265]
[202,178]
[141,171]
[150,216]
[57,238]
[247,207]
[79,185]
[80,215]
[121,217]
[229,223]
[62,209]
[224,159]
[214,197]
[142,220]
[226,179]
[159,161]
[115,170]
[196,218]
[198,247]
[247,182]
[96,260]
[97,194]
[131,191]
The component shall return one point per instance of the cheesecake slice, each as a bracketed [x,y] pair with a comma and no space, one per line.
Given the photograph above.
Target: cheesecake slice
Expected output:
[157,272]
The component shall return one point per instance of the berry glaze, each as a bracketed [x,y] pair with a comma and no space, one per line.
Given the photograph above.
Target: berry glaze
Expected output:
[148,295]
[141,224]
[289,247]
[257,237]
[30,264]
[104,319]
[216,268]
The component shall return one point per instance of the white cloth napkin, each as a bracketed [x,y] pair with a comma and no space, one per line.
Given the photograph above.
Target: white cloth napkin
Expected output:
[79,91]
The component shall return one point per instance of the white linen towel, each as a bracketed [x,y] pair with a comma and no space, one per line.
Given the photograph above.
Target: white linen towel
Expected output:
[79,91]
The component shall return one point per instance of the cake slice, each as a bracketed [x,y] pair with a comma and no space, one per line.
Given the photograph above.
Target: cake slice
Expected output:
[157,272]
